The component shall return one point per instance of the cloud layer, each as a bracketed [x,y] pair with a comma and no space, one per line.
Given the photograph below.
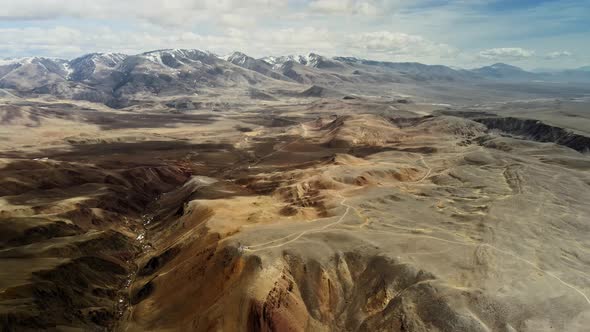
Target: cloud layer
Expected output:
[165,13]
[506,53]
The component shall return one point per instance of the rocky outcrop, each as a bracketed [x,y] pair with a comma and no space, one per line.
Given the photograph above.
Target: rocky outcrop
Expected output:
[538,131]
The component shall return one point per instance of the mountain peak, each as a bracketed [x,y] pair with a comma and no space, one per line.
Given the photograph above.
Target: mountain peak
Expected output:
[238,53]
[505,71]
[107,59]
[310,59]
[177,52]
[27,60]
[504,66]
[176,58]
[237,58]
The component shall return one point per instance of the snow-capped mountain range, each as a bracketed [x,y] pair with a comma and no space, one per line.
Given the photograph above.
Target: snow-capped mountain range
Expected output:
[310,59]
[111,77]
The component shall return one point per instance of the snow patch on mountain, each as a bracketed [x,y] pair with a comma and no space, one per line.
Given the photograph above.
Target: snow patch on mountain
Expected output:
[237,58]
[310,60]
[29,60]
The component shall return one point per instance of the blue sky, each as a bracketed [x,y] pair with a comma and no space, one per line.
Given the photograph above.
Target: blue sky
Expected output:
[528,33]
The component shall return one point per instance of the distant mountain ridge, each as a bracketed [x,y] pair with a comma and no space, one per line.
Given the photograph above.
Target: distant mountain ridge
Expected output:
[115,78]
[502,70]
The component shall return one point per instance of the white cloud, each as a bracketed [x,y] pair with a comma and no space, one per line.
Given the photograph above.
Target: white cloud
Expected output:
[167,13]
[364,7]
[507,53]
[68,42]
[234,20]
[351,7]
[401,44]
[557,55]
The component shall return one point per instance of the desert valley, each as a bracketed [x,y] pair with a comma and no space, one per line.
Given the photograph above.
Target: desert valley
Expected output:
[180,190]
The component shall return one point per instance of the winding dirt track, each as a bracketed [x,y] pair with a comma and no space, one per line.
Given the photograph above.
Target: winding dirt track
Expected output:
[300,234]
[297,235]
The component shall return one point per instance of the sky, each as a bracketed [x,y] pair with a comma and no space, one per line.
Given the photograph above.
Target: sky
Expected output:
[533,34]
